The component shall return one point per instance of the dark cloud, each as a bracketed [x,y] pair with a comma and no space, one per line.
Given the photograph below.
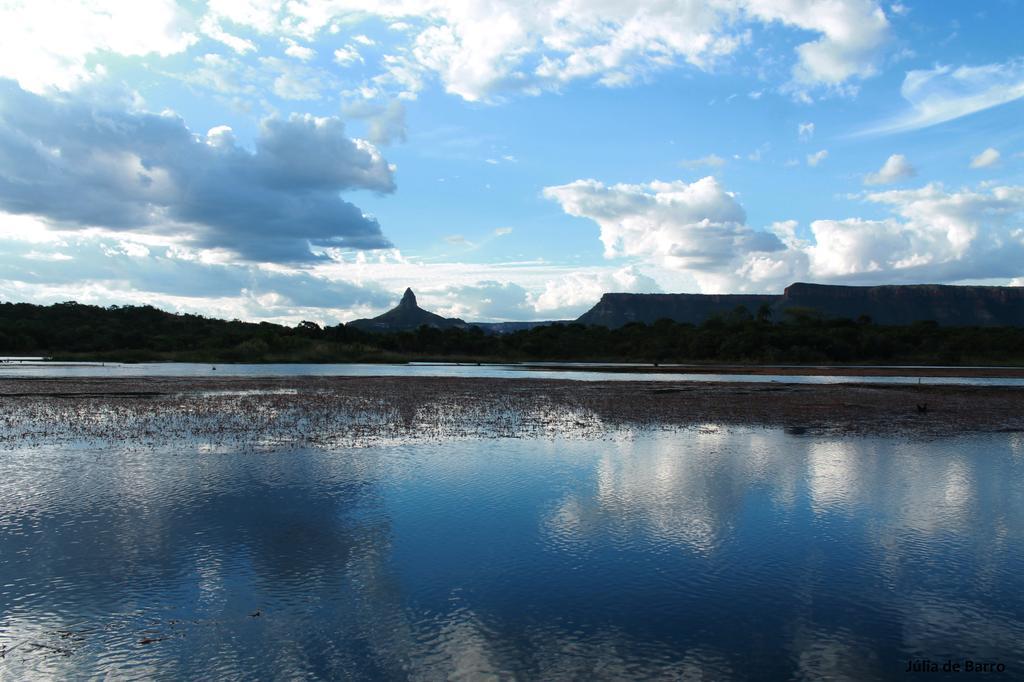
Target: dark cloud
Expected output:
[79,164]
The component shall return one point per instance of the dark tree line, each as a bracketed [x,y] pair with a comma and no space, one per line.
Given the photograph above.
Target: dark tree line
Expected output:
[75,331]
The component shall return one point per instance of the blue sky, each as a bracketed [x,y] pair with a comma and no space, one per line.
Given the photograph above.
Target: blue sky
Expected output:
[309,159]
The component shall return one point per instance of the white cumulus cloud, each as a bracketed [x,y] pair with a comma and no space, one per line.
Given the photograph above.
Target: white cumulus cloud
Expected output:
[935,235]
[479,50]
[989,157]
[851,33]
[212,28]
[47,43]
[575,293]
[699,230]
[482,49]
[895,168]
[817,157]
[488,300]
[344,56]
[300,52]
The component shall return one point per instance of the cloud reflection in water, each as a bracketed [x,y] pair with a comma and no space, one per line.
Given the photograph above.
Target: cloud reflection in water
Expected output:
[644,554]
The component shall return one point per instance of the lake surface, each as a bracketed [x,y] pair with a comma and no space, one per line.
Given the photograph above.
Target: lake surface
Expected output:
[731,553]
[586,372]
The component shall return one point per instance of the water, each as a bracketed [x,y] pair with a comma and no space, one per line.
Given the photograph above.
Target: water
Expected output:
[512,371]
[731,553]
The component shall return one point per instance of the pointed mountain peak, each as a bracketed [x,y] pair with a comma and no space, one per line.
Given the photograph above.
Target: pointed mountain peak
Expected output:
[407,316]
[408,300]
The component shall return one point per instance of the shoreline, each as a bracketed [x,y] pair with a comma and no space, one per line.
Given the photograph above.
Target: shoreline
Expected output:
[979,372]
[359,411]
[912,371]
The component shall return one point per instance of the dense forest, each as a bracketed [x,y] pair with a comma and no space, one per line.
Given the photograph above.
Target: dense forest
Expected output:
[72,331]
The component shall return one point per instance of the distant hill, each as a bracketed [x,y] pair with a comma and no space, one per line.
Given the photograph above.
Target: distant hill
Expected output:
[900,304]
[72,331]
[952,306]
[616,310]
[406,316]
[512,327]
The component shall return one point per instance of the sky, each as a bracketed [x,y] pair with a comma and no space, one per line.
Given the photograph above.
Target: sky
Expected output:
[289,160]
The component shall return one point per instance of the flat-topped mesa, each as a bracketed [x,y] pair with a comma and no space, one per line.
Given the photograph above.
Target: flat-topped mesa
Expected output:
[894,304]
[615,310]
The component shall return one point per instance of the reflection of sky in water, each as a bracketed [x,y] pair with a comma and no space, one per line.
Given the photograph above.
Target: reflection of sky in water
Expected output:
[722,552]
[593,372]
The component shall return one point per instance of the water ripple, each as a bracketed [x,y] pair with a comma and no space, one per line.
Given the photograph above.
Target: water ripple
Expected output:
[712,552]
